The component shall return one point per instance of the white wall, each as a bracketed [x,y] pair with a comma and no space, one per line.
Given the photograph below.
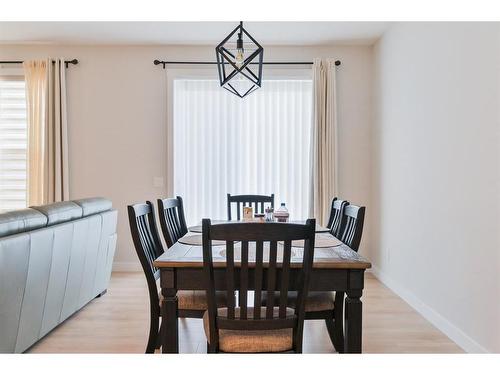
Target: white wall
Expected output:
[436,173]
[117,120]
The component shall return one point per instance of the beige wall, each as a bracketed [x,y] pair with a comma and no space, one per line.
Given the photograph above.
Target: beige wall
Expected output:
[117,120]
[436,174]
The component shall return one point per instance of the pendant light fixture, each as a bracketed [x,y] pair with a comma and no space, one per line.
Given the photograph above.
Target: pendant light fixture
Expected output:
[239,62]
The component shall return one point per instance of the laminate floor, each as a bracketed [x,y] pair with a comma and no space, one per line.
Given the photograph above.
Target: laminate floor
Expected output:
[118,322]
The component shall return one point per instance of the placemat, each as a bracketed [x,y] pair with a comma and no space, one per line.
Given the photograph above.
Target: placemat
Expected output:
[321,240]
[197,240]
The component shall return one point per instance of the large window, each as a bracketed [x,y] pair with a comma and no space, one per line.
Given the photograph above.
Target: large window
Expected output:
[256,145]
[13,143]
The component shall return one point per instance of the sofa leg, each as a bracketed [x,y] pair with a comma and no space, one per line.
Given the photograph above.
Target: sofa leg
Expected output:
[102,293]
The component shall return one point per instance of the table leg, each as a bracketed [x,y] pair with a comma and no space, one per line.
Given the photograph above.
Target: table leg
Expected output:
[169,312]
[353,321]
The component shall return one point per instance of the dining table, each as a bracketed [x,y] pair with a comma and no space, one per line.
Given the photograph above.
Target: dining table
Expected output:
[336,268]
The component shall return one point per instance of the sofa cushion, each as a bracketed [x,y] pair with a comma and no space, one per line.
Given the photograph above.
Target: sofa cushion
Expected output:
[21,221]
[91,206]
[60,212]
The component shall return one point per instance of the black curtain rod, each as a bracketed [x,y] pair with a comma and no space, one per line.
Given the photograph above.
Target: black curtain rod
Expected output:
[164,63]
[73,62]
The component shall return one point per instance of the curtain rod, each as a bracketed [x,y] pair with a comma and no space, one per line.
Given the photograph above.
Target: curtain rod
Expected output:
[73,62]
[164,63]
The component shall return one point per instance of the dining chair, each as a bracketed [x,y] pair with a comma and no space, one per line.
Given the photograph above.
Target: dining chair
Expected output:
[172,220]
[329,306]
[273,327]
[335,221]
[256,201]
[192,304]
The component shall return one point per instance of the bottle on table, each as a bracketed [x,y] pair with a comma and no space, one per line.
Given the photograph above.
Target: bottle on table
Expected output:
[282,214]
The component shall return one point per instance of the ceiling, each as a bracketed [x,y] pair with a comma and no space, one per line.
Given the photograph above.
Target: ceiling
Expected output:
[194,33]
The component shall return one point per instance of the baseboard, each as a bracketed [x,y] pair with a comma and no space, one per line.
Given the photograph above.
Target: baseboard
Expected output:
[436,319]
[127,267]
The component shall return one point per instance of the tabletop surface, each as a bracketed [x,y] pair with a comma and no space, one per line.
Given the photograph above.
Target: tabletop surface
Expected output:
[189,256]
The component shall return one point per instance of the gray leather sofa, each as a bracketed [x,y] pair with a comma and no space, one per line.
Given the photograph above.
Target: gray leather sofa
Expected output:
[54,259]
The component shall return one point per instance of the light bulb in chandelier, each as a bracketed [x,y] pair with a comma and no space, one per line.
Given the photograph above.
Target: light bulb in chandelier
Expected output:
[239,58]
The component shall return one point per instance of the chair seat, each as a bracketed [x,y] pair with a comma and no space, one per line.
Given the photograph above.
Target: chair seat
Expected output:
[316,301]
[197,299]
[256,341]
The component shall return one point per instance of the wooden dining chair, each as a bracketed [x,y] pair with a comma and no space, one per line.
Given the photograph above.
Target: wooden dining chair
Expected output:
[329,306]
[192,304]
[335,221]
[172,220]
[256,201]
[274,327]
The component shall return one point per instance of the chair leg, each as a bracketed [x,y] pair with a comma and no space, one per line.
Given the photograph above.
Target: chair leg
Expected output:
[338,328]
[153,339]
[211,348]
[158,340]
[336,339]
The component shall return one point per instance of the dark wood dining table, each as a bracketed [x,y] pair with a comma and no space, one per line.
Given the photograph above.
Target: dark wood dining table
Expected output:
[336,268]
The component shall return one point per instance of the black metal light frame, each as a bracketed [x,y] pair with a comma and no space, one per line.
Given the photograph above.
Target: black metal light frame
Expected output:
[224,57]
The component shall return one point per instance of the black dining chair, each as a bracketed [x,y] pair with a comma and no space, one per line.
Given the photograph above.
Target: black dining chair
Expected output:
[335,221]
[329,306]
[172,220]
[273,327]
[192,304]
[256,201]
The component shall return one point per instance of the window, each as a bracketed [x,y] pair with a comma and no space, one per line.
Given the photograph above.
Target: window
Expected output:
[256,145]
[13,143]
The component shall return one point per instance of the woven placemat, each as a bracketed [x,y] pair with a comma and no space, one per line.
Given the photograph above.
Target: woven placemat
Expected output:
[197,240]
[321,240]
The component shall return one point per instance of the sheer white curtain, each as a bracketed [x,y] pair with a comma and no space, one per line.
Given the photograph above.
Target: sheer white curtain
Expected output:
[256,145]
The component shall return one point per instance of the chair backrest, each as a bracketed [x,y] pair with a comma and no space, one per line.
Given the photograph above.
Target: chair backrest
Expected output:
[147,243]
[256,201]
[259,247]
[172,220]
[354,217]
[335,222]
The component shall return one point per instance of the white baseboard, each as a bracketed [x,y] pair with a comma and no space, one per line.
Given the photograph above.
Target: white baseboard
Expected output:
[127,267]
[436,319]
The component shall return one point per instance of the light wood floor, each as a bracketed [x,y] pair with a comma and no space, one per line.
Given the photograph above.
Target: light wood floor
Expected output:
[118,323]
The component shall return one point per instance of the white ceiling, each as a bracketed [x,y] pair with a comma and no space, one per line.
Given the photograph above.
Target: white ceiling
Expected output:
[198,33]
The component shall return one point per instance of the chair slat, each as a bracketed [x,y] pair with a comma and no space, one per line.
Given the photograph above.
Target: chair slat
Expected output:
[257,302]
[271,278]
[285,275]
[243,290]
[230,278]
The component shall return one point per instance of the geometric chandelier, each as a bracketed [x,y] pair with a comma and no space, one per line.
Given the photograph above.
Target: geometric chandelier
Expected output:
[239,62]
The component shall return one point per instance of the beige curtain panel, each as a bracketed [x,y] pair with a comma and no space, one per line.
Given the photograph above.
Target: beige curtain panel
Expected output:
[48,179]
[324,140]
